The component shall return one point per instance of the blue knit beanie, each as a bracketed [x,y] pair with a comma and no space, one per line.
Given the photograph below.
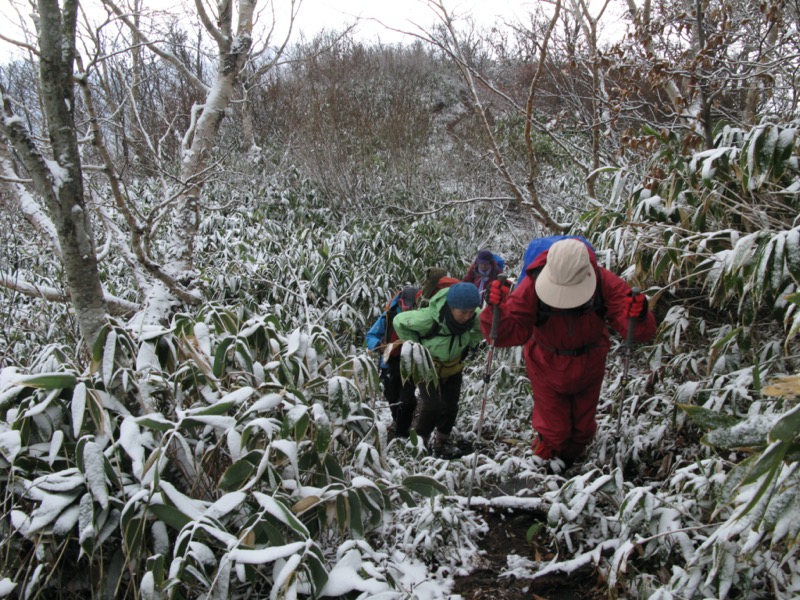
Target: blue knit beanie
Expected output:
[464,296]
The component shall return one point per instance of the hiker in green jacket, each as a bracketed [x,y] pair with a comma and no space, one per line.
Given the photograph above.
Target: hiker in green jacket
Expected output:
[449,329]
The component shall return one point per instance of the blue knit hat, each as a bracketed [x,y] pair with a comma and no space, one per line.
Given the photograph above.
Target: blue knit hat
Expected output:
[464,296]
[485,257]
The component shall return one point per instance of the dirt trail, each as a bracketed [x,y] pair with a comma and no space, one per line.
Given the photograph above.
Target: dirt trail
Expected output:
[507,536]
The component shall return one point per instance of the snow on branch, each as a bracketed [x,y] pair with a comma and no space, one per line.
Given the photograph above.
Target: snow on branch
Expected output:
[117,306]
[29,206]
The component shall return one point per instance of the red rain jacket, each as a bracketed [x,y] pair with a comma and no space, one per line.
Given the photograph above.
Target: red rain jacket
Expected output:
[565,374]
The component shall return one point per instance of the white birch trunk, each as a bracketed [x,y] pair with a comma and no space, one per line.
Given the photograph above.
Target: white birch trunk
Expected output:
[199,140]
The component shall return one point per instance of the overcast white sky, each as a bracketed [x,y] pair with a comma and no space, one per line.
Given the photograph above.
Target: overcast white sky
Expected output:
[318,14]
[400,14]
[315,15]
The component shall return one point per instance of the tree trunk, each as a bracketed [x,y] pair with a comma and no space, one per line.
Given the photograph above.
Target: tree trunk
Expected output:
[199,141]
[60,181]
[65,198]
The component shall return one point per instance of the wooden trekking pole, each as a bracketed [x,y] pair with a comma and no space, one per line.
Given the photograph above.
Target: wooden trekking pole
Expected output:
[486,376]
[626,363]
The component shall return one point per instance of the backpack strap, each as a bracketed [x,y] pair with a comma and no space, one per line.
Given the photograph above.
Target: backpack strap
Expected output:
[436,330]
[391,313]
[600,306]
[432,332]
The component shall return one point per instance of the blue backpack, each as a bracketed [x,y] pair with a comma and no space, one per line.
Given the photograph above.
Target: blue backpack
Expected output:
[501,264]
[539,245]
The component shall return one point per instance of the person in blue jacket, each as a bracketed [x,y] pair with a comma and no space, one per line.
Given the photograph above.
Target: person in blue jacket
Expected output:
[383,339]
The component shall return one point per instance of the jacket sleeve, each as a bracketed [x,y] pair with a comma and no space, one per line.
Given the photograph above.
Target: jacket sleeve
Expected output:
[517,316]
[470,276]
[412,324]
[615,290]
[375,336]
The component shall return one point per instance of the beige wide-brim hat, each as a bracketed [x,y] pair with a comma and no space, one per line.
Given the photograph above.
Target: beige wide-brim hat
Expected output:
[568,279]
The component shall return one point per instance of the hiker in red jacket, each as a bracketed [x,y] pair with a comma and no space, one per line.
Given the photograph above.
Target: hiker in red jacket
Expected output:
[483,271]
[561,312]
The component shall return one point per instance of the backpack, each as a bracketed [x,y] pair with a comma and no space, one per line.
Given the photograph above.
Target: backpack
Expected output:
[501,264]
[545,311]
[432,285]
[391,310]
[539,245]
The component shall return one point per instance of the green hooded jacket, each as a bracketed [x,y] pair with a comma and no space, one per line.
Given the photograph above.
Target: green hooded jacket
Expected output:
[444,347]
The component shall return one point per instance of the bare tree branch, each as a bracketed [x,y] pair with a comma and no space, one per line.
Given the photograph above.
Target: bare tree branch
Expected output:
[118,306]
[156,49]
[121,201]
[529,198]
[33,212]
[20,44]
[221,35]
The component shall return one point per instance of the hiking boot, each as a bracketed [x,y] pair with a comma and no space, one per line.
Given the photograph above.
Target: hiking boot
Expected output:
[446,450]
[392,432]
